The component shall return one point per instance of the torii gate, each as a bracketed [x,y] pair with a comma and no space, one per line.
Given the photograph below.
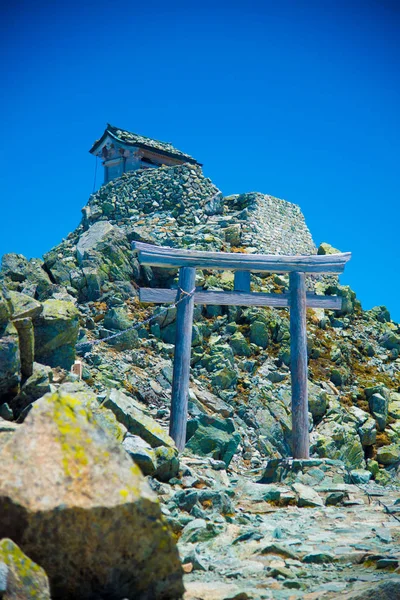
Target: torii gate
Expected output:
[242,264]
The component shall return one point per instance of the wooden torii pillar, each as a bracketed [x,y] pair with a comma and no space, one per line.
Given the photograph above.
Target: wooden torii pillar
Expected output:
[243,265]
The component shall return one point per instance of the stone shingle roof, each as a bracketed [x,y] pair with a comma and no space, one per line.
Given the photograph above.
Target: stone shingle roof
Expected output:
[134,139]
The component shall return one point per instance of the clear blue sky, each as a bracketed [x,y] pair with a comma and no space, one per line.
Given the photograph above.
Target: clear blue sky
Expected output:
[298,99]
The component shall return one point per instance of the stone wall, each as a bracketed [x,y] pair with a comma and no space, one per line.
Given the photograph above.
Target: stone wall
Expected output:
[275,226]
[179,206]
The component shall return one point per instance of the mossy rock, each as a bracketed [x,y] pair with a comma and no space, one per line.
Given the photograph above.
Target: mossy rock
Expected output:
[56,332]
[214,437]
[388,455]
[259,334]
[72,498]
[5,311]
[325,248]
[136,421]
[20,577]
[224,379]
[24,306]
[10,363]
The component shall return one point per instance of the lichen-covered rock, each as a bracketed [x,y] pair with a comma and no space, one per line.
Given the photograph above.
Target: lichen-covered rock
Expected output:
[5,309]
[7,430]
[239,344]
[10,364]
[214,437]
[224,378]
[394,405]
[388,455]
[136,421]
[161,462]
[56,332]
[325,248]
[71,497]
[366,425]
[36,386]
[92,238]
[20,577]
[23,306]
[115,320]
[318,401]
[141,452]
[378,405]
[390,340]
[337,438]
[259,334]
[23,275]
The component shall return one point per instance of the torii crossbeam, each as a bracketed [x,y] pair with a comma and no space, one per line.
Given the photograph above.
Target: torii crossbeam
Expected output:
[243,264]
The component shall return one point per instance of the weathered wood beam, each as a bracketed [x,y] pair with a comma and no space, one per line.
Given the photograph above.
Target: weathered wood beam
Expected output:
[183,343]
[157,256]
[242,281]
[298,366]
[166,296]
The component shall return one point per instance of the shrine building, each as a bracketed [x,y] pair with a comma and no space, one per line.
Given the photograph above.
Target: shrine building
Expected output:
[123,151]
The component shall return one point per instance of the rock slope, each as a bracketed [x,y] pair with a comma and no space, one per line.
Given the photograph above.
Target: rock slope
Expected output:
[296,533]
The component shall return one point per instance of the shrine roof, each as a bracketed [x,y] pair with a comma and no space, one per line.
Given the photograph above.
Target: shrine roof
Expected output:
[134,139]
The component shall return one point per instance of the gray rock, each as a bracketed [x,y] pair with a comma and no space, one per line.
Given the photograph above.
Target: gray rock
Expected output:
[128,413]
[388,455]
[239,344]
[214,437]
[88,515]
[56,332]
[360,476]
[36,386]
[259,334]
[378,405]
[141,452]
[384,590]
[10,364]
[3,577]
[307,496]
[91,238]
[20,577]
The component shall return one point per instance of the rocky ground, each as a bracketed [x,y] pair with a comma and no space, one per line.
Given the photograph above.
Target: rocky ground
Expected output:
[246,523]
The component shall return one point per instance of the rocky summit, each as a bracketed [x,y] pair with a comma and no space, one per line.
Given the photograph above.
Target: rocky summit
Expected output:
[97,503]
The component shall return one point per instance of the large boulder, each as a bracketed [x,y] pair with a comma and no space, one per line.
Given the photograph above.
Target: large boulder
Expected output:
[9,351]
[10,364]
[56,332]
[26,275]
[32,389]
[388,455]
[337,438]
[213,437]
[161,462]
[72,499]
[23,306]
[92,238]
[20,577]
[116,319]
[378,404]
[130,414]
